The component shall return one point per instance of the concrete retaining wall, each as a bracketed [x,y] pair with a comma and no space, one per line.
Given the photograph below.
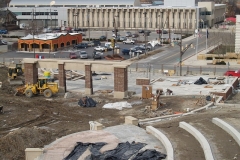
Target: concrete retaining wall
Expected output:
[228,128]
[165,141]
[200,138]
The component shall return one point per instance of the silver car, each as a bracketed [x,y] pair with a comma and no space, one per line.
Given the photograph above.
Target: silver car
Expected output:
[83,55]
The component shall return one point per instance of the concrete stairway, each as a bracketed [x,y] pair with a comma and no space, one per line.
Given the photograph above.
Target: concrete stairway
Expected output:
[206,139]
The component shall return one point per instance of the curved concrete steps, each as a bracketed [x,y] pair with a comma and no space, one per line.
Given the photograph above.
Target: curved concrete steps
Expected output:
[164,140]
[221,143]
[201,139]
[228,128]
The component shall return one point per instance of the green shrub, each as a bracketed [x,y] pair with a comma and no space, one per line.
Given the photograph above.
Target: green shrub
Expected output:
[209,58]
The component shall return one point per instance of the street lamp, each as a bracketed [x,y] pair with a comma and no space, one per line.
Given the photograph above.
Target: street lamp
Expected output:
[115,30]
[55,12]
[88,26]
[145,26]
[182,51]
[33,32]
[51,3]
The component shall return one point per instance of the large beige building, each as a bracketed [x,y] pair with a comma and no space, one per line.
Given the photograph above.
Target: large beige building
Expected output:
[206,13]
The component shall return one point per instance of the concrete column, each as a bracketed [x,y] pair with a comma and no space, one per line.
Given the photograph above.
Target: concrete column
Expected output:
[120,82]
[88,79]
[62,78]
[165,14]
[31,73]
[127,19]
[106,18]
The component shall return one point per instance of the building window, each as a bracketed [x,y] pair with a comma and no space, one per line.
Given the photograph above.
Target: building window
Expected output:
[109,6]
[122,5]
[208,13]
[26,13]
[30,5]
[39,13]
[70,5]
[19,5]
[44,6]
[82,5]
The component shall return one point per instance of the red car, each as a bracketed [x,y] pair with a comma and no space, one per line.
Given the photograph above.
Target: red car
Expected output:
[72,55]
[232,73]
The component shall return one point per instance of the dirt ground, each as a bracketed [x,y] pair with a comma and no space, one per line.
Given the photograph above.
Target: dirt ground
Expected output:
[35,122]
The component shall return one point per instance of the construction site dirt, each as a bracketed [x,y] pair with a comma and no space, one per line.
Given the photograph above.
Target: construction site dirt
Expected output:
[37,121]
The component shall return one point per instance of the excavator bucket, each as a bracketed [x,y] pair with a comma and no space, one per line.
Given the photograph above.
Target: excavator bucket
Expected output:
[20,91]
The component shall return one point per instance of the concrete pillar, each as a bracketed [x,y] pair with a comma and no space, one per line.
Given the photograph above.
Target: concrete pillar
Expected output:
[88,79]
[106,18]
[31,73]
[120,82]
[33,153]
[62,78]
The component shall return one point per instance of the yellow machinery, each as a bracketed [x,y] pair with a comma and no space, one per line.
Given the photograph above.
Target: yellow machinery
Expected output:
[15,70]
[44,86]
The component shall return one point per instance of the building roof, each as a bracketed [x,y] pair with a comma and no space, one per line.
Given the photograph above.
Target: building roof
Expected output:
[46,36]
[74,2]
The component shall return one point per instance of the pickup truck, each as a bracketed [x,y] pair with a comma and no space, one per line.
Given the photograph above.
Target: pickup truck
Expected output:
[233,73]
[129,41]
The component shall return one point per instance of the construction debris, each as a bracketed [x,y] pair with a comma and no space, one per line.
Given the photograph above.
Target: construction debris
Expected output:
[1,109]
[200,81]
[87,102]
[117,105]
[201,101]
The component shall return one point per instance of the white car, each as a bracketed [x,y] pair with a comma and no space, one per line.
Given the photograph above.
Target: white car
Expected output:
[99,48]
[115,35]
[129,41]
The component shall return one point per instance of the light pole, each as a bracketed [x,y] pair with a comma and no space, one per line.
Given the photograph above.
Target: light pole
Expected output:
[182,51]
[51,3]
[47,19]
[55,12]
[88,26]
[159,27]
[33,32]
[115,30]
[145,26]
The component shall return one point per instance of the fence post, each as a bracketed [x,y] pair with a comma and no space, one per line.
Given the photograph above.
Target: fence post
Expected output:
[162,68]
[200,69]
[214,71]
[136,67]
[187,70]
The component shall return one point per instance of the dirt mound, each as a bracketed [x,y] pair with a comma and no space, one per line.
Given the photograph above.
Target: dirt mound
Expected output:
[13,145]
[6,88]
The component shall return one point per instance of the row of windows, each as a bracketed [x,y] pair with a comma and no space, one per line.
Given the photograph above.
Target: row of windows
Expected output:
[205,13]
[37,13]
[32,6]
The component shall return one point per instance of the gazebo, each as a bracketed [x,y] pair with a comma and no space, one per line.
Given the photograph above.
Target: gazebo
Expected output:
[48,42]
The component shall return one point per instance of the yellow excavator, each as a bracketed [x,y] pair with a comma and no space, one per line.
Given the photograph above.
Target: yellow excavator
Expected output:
[44,86]
[14,71]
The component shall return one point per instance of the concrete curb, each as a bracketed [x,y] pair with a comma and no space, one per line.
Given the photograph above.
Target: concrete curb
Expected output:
[228,128]
[165,141]
[200,138]
[204,107]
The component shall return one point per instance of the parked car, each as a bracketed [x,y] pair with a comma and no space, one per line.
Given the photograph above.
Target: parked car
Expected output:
[147,32]
[125,51]
[114,30]
[90,44]
[135,35]
[160,31]
[148,47]
[118,35]
[81,45]
[2,42]
[99,48]
[141,31]
[97,55]
[82,33]
[137,49]
[116,46]
[96,42]
[128,34]
[47,30]
[73,55]
[233,73]
[123,38]
[129,41]
[83,55]
[102,38]
[3,31]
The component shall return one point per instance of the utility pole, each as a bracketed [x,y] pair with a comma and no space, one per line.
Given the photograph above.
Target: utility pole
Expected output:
[33,30]
[114,25]
[169,31]
[159,28]
[88,27]
[145,32]
[182,51]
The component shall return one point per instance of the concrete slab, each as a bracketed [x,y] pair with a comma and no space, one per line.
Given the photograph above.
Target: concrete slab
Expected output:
[134,133]
[111,135]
